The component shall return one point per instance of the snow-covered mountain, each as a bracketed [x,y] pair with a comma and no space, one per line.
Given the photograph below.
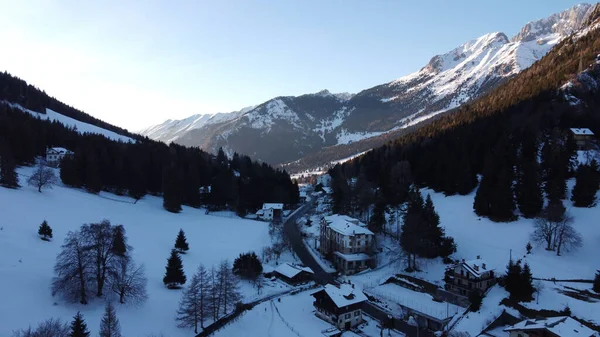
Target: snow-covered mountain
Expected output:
[285,129]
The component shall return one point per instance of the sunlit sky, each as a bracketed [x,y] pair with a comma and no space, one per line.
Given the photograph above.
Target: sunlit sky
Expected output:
[140,62]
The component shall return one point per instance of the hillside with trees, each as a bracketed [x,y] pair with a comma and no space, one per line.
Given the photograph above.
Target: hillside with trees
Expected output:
[497,137]
[182,175]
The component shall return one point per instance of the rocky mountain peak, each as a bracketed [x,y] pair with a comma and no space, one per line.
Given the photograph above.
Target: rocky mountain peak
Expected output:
[563,23]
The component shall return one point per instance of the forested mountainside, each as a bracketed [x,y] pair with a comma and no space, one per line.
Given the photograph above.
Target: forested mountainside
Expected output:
[182,175]
[322,127]
[498,136]
[17,91]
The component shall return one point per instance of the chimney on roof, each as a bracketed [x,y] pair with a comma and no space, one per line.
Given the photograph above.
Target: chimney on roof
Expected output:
[352,285]
[463,260]
[483,265]
[476,267]
[478,257]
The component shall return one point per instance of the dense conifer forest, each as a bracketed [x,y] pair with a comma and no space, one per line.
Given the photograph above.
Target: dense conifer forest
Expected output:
[183,175]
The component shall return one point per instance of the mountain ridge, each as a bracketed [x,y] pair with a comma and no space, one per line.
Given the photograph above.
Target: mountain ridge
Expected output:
[287,128]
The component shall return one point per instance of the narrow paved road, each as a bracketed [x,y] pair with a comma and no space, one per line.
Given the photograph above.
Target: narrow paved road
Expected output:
[295,236]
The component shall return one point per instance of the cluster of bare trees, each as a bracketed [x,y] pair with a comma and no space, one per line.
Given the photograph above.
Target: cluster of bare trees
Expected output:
[279,240]
[210,295]
[554,229]
[95,258]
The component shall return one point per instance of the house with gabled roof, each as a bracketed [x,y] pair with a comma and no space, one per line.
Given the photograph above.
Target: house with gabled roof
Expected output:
[582,136]
[293,274]
[270,212]
[340,305]
[467,276]
[346,242]
[54,155]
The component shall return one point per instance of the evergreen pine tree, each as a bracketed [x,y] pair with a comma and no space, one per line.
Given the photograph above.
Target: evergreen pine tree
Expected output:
[433,233]
[45,232]
[119,244]
[503,201]
[596,286]
[181,243]
[174,275]
[377,220]
[412,228]
[513,278]
[172,188]
[78,327]
[8,176]
[109,325]
[528,247]
[529,189]
[475,299]
[586,185]
[526,284]
[483,196]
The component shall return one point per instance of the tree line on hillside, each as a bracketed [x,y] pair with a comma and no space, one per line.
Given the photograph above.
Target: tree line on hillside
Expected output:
[17,91]
[182,175]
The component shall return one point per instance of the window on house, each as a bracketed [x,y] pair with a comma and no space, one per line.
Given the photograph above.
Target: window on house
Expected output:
[357,313]
[348,316]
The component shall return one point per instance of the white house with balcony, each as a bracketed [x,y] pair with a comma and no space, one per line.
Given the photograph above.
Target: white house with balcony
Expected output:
[347,242]
[55,154]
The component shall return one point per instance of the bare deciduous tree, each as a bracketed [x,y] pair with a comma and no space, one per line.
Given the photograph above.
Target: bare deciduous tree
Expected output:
[52,327]
[128,281]
[43,177]
[72,270]
[194,303]
[546,224]
[566,236]
[99,241]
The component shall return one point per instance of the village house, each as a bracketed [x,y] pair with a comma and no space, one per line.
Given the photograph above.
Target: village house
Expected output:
[466,276]
[340,305]
[347,243]
[270,212]
[582,137]
[562,326]
[55,154]
[324,180]
[293,274]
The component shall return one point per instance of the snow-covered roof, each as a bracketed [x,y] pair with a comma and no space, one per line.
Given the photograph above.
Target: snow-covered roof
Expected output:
[582,131]
[260,212]
[58,150]
[477,267]
[343,295]
[272,205]
[290,270]
[302,194]
[353,257]
[346,225]
[561,326]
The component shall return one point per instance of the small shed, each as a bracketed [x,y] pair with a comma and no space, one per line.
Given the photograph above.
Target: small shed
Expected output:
[293,274]
[270,211]
[582,136]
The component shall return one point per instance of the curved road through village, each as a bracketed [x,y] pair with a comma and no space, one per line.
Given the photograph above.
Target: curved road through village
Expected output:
[297,242]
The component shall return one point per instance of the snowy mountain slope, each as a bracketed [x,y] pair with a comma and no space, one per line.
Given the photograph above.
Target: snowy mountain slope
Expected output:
[285,129]
[170,130]
[81,127]
[26,262]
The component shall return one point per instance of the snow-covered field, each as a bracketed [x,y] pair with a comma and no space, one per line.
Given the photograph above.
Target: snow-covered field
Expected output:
[26,262]
[495,242]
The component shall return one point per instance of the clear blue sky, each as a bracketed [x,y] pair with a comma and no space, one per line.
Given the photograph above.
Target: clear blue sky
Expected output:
[139,62]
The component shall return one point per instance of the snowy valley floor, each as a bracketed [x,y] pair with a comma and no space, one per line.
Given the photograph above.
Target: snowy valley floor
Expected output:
[26,262]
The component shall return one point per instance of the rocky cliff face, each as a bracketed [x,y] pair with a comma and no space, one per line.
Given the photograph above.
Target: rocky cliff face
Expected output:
[285,129]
